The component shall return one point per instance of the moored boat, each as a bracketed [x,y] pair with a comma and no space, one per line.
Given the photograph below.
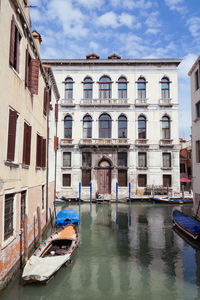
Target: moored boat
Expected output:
[67,216]
[172,200]
[51,255]
[187,224]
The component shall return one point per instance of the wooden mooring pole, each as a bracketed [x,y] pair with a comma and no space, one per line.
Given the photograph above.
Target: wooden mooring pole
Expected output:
[25,238]
[39,225]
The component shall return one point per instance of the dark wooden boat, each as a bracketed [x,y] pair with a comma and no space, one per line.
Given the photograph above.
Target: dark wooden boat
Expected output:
[195,244]
[172,200]
[186,224]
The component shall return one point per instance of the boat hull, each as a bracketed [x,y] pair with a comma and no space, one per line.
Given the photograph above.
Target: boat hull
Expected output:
[51,255]
[172,200]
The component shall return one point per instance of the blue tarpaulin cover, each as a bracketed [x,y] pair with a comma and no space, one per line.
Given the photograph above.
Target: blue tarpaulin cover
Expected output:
[67,216]
[189,223]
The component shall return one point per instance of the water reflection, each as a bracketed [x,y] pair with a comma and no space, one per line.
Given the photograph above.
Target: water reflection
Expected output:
[127,251]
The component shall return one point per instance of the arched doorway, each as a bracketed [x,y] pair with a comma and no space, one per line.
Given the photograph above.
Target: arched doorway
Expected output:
[104,177]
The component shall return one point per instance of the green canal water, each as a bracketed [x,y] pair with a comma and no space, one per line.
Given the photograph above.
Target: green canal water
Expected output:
[125,252]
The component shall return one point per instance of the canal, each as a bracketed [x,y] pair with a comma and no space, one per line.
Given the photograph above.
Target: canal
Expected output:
[126,252]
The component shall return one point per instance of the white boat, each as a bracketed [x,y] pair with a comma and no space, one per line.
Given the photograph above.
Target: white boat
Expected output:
[51,255]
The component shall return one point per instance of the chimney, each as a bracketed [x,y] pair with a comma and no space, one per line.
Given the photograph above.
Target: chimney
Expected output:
[38,39]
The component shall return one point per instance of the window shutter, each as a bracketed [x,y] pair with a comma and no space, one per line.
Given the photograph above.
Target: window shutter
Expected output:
[39,151]
[34,78]
[12,135]
[17,50]
[56,111]
[45,101]
[43,164]
[28,145]
[55,142]
[25,144]
[26,68]
[12,41]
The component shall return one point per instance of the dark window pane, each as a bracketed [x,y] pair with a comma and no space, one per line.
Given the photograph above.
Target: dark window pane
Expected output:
[142,159]
[86,159]
[166,180]
[122,177]
[66,179]
[86,177]
[8,216]
[142,180]
[122,159]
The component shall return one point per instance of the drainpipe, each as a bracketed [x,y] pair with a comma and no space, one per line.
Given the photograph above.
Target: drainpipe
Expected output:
[55,173]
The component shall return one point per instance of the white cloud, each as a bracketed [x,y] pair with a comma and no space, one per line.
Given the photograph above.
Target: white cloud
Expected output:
[71,19]
[91,4]
[153,23]
[176,5]
[94,46]
[194,26]
[111,19]
[186,65]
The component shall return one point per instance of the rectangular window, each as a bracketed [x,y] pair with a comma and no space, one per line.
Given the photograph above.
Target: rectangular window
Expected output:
[166,160]
[122,159]
[142,180]
[142,159]
[122,177]
[86,177]
[182,168]
[23,207]
[12,129]
[66,159]
[196,78]
[86,159]
[26,144]
[66,179]
[43,196]
[198,109]
[41,152]
[167,180]
[15,39]
[8,216]
[198,151]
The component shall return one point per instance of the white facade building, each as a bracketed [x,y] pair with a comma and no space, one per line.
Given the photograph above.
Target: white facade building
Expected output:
[194,74]
[117,122]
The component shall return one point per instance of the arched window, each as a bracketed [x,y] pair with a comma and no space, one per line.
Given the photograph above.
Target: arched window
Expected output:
[165,88]
[165,127]
[87,88]
[105,88]
[122,127]
[141,127]
[105,126]
[68,127]
[68,88]
[141,86]
[122,88]
[87,127]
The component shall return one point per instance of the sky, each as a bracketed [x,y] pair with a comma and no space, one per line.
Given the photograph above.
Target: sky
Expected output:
[130,28]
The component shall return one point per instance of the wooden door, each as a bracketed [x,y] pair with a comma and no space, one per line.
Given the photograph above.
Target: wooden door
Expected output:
[104,181]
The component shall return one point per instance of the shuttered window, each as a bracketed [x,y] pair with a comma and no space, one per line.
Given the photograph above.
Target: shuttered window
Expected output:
[122,177]
[15,39]
[142,180]
[86,177]
[12,128]
[66,159]
[41,152]
[56,111]
[66,179]
[122,159]
[167,180]
[42,196]
[27,144]
[33,76]
[198,151]
[45,102]
[8,216]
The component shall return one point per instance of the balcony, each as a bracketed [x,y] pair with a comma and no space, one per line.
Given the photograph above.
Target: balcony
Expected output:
[67,102]
[165,102]
[66,142]
[141,102]
[104,102]
[142,143]
[166,143]
[104,142]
